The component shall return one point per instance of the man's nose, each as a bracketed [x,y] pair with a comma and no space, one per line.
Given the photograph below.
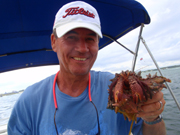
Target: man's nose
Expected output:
[82,46]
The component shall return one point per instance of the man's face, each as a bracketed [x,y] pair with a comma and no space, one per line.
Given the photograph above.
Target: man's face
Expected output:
[76,50]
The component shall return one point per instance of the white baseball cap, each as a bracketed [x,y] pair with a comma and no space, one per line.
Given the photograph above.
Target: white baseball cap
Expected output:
[76,14]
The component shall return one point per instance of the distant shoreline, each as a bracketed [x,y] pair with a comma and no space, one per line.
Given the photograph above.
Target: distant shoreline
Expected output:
[162,68]
[11,93]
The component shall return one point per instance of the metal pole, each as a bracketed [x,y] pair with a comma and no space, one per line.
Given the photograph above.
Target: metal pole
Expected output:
[160,72]
[119,43]
[137,48]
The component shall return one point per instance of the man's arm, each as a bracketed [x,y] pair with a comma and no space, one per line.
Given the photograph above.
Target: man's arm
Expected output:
[19,122]
[156,129]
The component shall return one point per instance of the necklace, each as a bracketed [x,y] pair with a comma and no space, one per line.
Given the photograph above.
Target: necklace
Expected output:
[56,106]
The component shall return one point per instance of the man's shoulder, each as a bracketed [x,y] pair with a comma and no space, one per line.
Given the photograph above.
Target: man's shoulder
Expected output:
[99,78]
[43,83]
[38,88]
[102,74]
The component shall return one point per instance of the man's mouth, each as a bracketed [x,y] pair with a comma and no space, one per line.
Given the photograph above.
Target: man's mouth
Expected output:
[80,59]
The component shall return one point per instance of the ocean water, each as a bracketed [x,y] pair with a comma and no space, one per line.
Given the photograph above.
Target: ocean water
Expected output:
[171,114]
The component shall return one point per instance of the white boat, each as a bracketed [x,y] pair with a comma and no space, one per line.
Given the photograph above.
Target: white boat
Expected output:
[3,129]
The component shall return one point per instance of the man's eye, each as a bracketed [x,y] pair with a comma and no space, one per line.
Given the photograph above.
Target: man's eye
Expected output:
[90,39]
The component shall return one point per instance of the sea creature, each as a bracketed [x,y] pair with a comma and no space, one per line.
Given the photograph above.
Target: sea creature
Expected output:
[129,89]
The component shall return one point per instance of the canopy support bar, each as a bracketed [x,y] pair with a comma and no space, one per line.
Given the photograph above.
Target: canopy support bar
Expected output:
[160,72]
[119,43]
[137,48]
[136,54]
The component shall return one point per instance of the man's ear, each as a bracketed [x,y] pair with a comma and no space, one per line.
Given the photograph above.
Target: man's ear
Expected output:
[53,41]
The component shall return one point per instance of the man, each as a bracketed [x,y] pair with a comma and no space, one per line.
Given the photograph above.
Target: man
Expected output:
[79,95]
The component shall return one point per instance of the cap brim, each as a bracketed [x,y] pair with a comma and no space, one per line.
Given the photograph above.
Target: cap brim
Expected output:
[61,30]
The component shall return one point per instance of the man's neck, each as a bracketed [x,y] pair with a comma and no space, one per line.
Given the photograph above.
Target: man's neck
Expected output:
[72,85]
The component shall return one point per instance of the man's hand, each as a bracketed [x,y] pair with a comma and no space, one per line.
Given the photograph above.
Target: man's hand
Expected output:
[149,111]
[152,108]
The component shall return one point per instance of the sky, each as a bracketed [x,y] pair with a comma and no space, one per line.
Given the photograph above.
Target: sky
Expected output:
[162,36]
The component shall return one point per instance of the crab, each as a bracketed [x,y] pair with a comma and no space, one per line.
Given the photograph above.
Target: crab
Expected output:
[129,89]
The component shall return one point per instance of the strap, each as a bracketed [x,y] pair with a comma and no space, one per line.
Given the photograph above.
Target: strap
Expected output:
[159,119]
[54,92]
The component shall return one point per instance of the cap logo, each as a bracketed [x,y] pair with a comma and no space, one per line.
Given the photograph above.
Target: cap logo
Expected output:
[77,10]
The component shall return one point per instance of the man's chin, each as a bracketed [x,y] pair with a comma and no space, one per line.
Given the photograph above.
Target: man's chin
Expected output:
[81,72]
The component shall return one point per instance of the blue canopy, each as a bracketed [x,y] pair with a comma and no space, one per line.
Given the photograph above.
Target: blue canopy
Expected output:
[26,25]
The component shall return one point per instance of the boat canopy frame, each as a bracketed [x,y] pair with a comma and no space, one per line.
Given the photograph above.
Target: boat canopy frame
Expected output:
[140,38]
